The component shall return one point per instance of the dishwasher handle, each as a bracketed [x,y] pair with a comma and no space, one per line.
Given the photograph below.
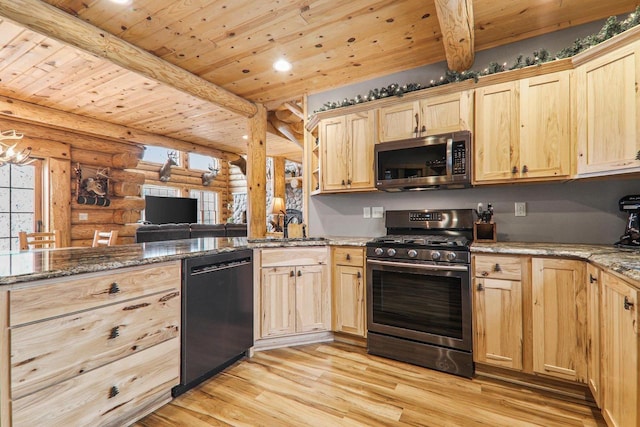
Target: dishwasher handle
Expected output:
[210,268]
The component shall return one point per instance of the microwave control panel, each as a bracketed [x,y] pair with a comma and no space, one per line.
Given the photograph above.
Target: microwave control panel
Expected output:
[459,158]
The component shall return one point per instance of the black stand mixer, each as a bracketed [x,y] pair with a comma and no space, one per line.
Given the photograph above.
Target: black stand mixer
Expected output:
[631,236]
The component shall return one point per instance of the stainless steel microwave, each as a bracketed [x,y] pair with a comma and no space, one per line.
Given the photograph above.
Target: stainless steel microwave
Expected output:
[432,162]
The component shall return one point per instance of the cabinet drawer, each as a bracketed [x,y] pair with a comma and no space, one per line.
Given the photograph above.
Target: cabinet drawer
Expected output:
[294,256]
[39,358]
[110,395]
[498,267]
[62,296]
[348,256]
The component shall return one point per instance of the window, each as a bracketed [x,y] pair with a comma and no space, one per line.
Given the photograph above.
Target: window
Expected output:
[200,162]
[207,206]
[157,154]
[20,202]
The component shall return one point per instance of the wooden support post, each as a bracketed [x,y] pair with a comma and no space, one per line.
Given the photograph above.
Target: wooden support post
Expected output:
[456,23]
[278,178]
[60,198]
[257,174]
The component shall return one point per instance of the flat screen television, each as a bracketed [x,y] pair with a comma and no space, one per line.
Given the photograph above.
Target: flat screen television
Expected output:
[170,210]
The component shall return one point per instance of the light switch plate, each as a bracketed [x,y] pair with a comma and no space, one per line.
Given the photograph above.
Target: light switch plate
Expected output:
[521,208]
[366,212]
[377,212]
[83,216]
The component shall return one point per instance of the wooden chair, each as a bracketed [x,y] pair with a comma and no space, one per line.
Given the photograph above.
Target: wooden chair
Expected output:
[39,240]
[104,238]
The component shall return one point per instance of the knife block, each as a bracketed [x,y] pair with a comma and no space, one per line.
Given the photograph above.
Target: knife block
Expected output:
[485,232]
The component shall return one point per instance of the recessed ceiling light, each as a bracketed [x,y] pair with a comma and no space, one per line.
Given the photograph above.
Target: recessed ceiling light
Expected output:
[282,65]
[245,136]
[121,1]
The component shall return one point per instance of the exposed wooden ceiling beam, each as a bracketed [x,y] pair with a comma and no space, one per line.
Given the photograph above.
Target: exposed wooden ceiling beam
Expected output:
[456,23]
[13,108]
[294,109]
[52,22]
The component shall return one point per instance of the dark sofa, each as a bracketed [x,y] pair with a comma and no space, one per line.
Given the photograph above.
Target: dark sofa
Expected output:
[159,232]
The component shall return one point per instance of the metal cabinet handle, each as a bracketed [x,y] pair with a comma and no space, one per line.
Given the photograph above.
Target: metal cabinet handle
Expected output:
[113,392]
[514,170]
[349,182]
[592,278]
[299,273]
[115,332]
[417,124]
[484,273]
[525,169]
[497,268]
[627,304]
[424,129]
[114,288]
[480,287]
[359,275]
[291,273]
[348,257]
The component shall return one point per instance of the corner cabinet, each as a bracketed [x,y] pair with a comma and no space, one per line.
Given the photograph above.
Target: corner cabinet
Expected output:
[608,113]
[346,157]
[559,318]
[523,130]
[498,315]
[430,116]
[96,349]
[349,290]
[620,352]
[294,291]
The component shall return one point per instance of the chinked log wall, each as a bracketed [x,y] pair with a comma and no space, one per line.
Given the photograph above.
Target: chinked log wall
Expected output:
[64,149]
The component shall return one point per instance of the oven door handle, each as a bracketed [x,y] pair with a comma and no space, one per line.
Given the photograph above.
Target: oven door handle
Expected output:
[421,266]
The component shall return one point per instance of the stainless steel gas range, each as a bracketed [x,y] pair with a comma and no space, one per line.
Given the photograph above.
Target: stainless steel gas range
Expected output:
[419,291]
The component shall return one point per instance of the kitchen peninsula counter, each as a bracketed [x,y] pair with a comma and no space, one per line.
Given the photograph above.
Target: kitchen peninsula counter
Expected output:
[26,266]
[625,262]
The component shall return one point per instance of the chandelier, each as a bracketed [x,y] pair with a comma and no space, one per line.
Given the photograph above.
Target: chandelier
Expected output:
[9,154]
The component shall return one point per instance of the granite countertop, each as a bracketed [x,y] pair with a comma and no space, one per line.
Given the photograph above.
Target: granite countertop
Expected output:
[25,266]
[626,262]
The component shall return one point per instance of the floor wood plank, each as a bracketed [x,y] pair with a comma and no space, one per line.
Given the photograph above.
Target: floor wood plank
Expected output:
[336,384]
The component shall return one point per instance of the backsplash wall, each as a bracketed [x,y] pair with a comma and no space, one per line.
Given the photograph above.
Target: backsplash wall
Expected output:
[571,212]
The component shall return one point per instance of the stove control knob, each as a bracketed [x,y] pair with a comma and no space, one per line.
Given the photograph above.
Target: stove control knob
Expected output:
[412,253]
[435,255]
[391,252]
[451,256]
[378,251]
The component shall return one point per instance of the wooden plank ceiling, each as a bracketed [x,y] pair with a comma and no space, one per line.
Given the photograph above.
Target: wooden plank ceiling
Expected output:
[233,44]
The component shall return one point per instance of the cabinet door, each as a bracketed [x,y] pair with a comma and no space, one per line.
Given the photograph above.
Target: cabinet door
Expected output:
[594,323]
[278,301]
[620,348]
[498,322]
[312,297]
[545,131]
[348,296]
[608,104]
[559,318]
[360,174]
[446,113]
[496,136]
[333,141]
[399,121]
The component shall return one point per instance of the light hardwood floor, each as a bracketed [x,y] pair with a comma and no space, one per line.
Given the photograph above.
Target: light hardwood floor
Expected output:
[337,384]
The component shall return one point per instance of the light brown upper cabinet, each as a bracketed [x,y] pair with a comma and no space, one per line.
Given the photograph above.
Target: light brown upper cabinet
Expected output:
[347,153]
[608,105]
[430,116]
[523,130]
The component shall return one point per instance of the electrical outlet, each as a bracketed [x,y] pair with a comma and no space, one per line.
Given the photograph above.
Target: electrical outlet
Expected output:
[377,212]
[521,208]
[366,212]
[83,216]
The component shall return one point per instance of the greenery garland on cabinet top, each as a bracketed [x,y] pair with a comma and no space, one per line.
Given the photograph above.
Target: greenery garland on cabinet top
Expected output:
[611,28]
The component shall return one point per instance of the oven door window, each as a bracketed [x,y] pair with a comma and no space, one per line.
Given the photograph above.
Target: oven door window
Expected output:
[422,302]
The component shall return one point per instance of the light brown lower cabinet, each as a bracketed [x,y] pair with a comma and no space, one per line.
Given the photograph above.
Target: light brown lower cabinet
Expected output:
[594,331]
[95,349]
[559,318]
[294,291]
[348,293]
[620,352]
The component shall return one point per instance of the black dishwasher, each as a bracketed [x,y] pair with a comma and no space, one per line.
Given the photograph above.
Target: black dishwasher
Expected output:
[217,314]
